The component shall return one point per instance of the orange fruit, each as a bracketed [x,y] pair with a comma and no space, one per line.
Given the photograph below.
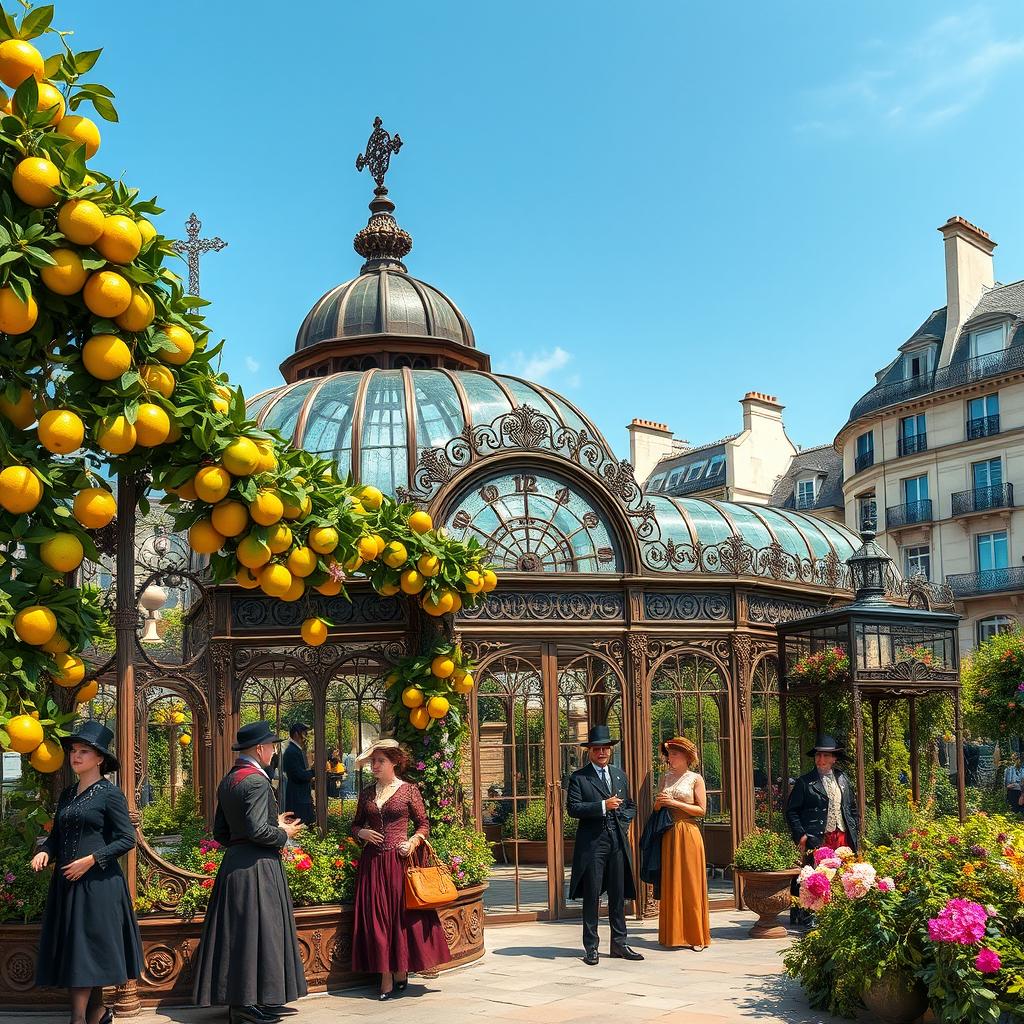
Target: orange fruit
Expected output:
[352,564]
[418,718]
[437,605]
[437,707]
[19,60]
[429,565]
[47,757]
[60,431]
[241,457]
[420,522]
[106,357]
[174,434]
[220,404]
[370,498]
[314,632]
[279,539]
[16,317]
[412,697]
[158,379]
[84,132]
[147,231]
[56,645]
[21,412]
[212,484]
[473,581]
[388,589]
[87,692]
[25,734]
[107,293]
[50,97]
[295,591]
[252,552]
[275,580]
[245,578]
[412,582]
[116,435]
[120,241]
[442,666]
[184,739]
[367,548]
[185,491]
[80,221]
[152,425]
[395,554]
[266,508]
[140,312]
[62,552]
[68,276]
[464,684]
[297,511]
[490,580]
[35,625]
[329,588]
[302,562]
[324,539]
[182,341]
[94,507]
[230,517]
[204,539]
[70,670]
[34,180]
[20,489]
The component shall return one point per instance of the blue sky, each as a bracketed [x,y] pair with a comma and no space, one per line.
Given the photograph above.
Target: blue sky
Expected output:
[652,208]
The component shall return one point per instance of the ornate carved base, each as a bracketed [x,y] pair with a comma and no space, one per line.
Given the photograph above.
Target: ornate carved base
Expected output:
[169,945]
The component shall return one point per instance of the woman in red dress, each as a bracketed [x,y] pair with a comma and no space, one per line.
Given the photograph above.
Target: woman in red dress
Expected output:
[387,938]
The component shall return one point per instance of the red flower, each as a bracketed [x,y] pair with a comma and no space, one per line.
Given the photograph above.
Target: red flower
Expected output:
[207,883]
[339,863]
[209,866]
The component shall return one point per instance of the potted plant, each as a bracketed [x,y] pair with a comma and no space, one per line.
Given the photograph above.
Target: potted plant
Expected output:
[766,862]
[831,665]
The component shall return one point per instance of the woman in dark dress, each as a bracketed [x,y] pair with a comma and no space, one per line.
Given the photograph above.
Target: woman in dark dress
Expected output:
[387,938]
[89,937]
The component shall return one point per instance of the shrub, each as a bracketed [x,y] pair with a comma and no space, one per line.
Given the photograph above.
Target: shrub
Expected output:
[893,822]
[763,850]
[465,851]
[530,823]
[22,890]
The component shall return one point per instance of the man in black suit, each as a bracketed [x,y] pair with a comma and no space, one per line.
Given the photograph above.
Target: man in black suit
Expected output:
[297,776]
[598,795]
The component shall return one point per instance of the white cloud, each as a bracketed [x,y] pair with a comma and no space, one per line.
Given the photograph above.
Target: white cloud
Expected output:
[919,84]
[251,365]
[541,366]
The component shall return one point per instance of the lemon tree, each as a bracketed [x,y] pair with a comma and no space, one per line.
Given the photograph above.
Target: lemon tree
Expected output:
[108,368]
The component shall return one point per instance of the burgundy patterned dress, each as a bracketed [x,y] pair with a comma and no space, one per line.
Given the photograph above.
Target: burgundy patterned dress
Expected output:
[386,936]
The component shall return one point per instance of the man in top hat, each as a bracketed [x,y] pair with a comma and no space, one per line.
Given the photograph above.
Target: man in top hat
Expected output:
[297,776]
[598,795]
[248,958]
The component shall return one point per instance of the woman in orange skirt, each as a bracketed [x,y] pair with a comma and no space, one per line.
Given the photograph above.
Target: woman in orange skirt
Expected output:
[683,918]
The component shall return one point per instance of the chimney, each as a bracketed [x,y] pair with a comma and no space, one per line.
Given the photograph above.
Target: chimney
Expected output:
[969,271]
[649,442]
[758,408]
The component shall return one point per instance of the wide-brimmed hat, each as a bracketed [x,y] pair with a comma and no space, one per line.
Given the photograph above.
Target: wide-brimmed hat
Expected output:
[387,744]
[688,747]
[826,744]
[599,737]
[253,734]
[97,736]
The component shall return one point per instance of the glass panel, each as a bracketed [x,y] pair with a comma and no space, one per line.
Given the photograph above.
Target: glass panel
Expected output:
[984,343]
[915,489]
[987,474]
[570,417]
[328,428]
[486,400]
[992,551]
[767,738]
[254,406]
[525,394]
[284,414]
[363,306]
[810,529]
[383,459]
[709,523]
[446,323]
[671,524]
[788,535]
[438,410]
[405,308]
[753,530]
[865,443]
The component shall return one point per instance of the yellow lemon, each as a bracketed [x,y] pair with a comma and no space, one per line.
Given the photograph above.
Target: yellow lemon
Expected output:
[116,435]
[121,241]
[268,460]
[20,60]
[174,434]
[245,578]
[35,624]
[70,670]
[230,517]
[381,544]
[275,580]
[437,605]
[140,312]
[185,491]
[80,221]
[107,293]
[395,554]
[473,581]
[295,591]
[181,340]
[367,548]
[184,739]
[314,631]
[152,425]
[147,231]
[420,522]
[16,316]
[20,489]
[279,539]
[21,412]
[429,565]
[412,582]
[241,457]
[67,276]
[34,180]
[94,507]
[353,564]
[490,580]
[204,539]
[463,684]
[106,357]
[87,692]
[266,508]
[60,431]
[62,552]
[442,666]
[212,484]
[25,734]
[56,645]
[412,697]
[51,99]
[84,132]
[47,757]
[388,588]
[418,718]
[329,588]
[324,539]
[437,707]
[158,379]
[456,602]
[302,562]
[252,552]
[297,511]
[220,405]
[370,498]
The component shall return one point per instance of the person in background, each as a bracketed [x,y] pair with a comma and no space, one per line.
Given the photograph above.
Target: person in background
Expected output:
[297,776]
[1013,778]
[89,937]
[335,774]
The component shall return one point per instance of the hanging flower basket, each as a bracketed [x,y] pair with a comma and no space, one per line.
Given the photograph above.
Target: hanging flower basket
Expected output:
[831,665]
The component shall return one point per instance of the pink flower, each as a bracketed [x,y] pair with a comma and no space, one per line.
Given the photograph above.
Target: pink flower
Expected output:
[959,921]
[987,961]
[832,863]
[886,885]
[823,853]
[858,880]
[815,891]
[845,853]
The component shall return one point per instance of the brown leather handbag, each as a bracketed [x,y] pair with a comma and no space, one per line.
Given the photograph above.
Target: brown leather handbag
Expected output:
[429,885]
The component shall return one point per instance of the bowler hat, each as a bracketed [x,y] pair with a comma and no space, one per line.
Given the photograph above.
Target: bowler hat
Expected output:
[253,734]
[599,737]
[97,736]
[826,744]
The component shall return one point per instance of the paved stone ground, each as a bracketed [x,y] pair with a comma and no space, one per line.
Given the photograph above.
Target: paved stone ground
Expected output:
[534,973]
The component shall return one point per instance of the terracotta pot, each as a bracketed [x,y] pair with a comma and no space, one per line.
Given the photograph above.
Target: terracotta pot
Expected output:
[767,894]
[896,998]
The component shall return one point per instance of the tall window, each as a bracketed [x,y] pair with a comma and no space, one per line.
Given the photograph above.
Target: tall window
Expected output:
[915,489]
[867,512]
[988,628]
[913,437]
[987,474]
[988,341]
[865,451]
[917,561]
[983,416]
[993,552]
[805,493]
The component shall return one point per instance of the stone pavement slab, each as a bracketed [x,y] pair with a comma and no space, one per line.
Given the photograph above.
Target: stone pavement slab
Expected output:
[534,972]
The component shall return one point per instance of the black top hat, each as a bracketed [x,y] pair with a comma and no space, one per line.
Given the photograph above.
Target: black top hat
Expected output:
[826,744]
[297,727]
[97,736]
[599,737]
[253,734]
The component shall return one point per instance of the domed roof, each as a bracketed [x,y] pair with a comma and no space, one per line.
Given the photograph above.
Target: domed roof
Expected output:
[377,422]
[384,301]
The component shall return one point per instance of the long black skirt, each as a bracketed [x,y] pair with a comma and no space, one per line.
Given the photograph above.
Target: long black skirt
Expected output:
[249,952]
[89,934]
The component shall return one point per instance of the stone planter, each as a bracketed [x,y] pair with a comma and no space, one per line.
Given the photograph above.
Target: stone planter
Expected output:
[532,852]
[169,945]
[767,894]
[896,998]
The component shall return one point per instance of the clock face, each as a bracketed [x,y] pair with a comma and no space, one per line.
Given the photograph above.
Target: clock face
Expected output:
[536,522]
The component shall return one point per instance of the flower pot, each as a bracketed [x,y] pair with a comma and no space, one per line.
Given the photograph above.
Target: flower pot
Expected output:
[896,998]
[767,894]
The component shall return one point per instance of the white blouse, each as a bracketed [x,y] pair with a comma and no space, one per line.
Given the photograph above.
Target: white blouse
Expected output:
[681,788]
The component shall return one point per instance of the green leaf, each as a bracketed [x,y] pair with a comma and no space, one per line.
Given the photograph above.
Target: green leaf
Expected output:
[26,98]
[52,65]
[85,60]
[10,256]
[7,29]
[36,22]
[104,108]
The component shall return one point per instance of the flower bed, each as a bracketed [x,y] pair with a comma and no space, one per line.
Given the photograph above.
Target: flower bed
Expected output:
[941,905]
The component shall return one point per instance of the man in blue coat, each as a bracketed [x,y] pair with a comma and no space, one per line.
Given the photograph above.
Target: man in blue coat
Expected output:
[598,794]
[297,776]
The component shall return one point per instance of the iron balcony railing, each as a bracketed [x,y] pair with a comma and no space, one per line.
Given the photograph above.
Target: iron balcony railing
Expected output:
[983,426]
[864,460]
[981,499]
[988,581]
[912,443]
[948,377]
[907,515]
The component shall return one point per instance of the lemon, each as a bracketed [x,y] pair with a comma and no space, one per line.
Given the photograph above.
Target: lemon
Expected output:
[67,276]
[152,425]
[230,517]
[140,312]
[83,131]
[266,508]
[121,241]
[63,552]
[252,552]
[302,562]
[204,539]
[412,697]
[279,539]
[395,554]
[16,316]
[183,344]
[20,489]
[473,581]
[464,684]
[80,221]
[438,605]
[60,431]
[158,379]
[35,625]
[370,498]
[106,357]
[34,180]
[241,457]
[275,580]
[412,582]
[324,539]
[21,412]
[116,435]
[442,666]
[490,580]
[314,631]
[212,484]
[94,507]
[420,522]
[429,565]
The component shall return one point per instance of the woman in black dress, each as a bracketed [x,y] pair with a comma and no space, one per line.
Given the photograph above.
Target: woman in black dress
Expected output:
[89,937]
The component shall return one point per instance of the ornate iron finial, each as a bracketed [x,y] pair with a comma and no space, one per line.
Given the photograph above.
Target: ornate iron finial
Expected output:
[869,567]
[379,147]
[193,247]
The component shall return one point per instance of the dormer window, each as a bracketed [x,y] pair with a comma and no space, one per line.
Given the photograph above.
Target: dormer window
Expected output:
[715,466]
[988,341]
[918,362]
[806,492]
[695,470]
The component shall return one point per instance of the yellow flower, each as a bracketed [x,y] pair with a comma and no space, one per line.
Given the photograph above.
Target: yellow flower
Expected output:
[968,869]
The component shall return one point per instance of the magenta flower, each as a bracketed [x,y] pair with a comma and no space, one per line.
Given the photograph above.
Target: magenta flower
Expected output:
[823,853]
[886,885]
[987,961]
[815,890]
[959,921]
[8,878]
[421,766]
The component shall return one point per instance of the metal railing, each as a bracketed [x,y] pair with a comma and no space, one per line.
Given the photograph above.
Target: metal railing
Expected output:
[907,515]
[864,461]
[982,498]
[983,426]
[951,376]
[912,443]
[988,581]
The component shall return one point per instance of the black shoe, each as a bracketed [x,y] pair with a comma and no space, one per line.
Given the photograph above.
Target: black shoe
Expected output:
[401,986]
[625,953]
[384,996]
[250,1014]
[276,1011]
[590,958]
